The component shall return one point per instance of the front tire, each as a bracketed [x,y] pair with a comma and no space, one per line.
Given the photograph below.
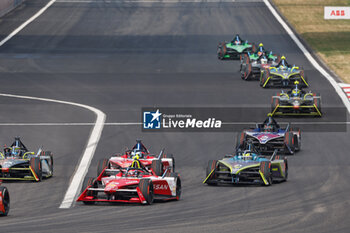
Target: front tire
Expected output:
[211,166]
[5,197]
[265,169]
[289,142]
[178,184]
[146,188]
[35,165]
[87,182]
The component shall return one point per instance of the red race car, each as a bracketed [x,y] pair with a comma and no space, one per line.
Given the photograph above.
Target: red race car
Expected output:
[144,157]
[4,200]
[131,185]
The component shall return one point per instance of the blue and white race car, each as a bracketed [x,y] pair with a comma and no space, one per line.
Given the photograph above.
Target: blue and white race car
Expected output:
[269,136]
[247,166]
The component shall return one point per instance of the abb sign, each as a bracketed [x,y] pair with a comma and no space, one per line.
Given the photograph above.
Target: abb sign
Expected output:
[334,12]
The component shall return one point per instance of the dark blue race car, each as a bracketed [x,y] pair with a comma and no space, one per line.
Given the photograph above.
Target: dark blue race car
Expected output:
[269,136]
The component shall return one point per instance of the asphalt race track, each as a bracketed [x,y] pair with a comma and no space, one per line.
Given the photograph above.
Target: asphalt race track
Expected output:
[120,56]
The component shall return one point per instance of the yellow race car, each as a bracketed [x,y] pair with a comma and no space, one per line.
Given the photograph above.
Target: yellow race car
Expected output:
[296,102]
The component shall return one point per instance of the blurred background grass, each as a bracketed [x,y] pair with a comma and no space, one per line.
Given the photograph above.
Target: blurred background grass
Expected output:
[329,38]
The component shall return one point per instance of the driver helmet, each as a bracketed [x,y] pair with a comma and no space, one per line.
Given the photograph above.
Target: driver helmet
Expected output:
[137,153]
[264,60]
[247,156]
[296,90]
[15,151]
[282,67]
[261,49]
[268,127]
[237,40]
[269,124]
[283,61]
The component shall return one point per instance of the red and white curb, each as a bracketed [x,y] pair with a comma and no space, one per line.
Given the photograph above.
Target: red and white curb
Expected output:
[346,89]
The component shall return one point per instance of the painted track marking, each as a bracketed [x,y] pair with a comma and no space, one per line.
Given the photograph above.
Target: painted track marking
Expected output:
[89,152]
[31,19]
[139,123]
[307,54]
[346,89]
[156,1]
[95,135]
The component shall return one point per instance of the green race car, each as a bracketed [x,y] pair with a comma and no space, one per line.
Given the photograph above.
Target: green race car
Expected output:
[234,49]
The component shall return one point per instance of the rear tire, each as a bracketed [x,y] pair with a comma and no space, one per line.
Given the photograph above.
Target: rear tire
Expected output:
[146,188]
[87,182]
[246,68]
[102,164]
[297,138]
[253,48]
[219,51]
[35,164]
[302,74]
[5,196]
[289,141]
[274,103]
[286,169]
[157,167]
[318,102]
[264,77]
[49,153]
[170,156]
[240,140]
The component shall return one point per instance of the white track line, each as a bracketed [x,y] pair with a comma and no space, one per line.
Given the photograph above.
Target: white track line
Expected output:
[289,31]
[71,124]
[156,1]
[139,123]
[17,30]
[85,161]
[95,135]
